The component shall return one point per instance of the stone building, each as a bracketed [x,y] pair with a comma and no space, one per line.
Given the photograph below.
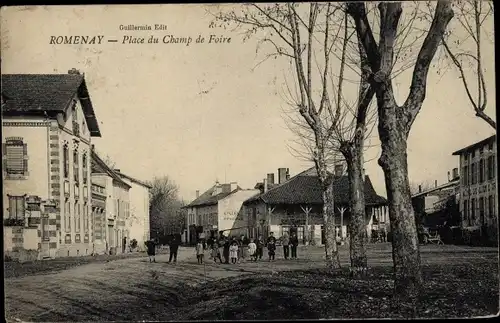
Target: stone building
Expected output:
[296,204]
[478,187]
[48,123]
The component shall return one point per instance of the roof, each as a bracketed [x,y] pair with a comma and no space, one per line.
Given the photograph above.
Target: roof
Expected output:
[476,145]
[305,188]
[438,188]
[133,179]
[99,166]
[207,198]
[46,93]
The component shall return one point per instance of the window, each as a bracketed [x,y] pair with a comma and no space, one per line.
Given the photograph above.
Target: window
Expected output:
[473,153]
[85,217]
[466,212]
[66,161]
[481,208]
[74,110]
[85,170]
[473,209]
[77,217]
[67,212]
[465,175]
[481,171]
[473,173]
[491,206]
[15,155]
[16,207]
[285,229]
[75,166]
[491,167]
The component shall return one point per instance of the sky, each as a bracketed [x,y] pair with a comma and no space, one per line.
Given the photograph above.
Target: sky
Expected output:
[202,112]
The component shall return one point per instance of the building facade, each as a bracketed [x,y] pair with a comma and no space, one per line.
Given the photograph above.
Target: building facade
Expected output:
[478,187]
[48,123]
[116,235]
[138,224]
[218,209]
[296,205]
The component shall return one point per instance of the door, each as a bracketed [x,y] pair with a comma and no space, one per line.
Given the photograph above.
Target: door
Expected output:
[300,234]
[322,235]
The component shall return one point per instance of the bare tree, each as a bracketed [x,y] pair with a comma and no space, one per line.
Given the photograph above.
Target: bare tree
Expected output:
[472,16]
[294,32]
[395,123]
[164,204]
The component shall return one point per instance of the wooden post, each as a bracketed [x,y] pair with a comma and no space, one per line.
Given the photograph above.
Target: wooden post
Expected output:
[306,210]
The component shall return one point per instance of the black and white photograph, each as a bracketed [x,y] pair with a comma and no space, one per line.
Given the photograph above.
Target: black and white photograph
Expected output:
[249,161]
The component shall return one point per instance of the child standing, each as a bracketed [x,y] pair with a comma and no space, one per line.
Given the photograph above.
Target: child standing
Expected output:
[200,251]
[252,250]
[233,252]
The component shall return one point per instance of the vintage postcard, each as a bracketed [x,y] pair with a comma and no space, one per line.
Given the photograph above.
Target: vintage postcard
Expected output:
[249,161]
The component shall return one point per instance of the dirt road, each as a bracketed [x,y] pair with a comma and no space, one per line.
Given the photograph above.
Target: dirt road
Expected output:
[135,289]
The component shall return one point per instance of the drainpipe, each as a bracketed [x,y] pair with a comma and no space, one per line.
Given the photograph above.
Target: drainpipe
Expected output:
[47,120]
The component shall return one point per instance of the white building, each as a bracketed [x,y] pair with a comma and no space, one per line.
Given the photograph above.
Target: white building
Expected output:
[138,224]
[218,209]
[48,123]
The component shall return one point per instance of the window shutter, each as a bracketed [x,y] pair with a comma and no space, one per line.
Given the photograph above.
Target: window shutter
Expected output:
[25,155]
[4,156]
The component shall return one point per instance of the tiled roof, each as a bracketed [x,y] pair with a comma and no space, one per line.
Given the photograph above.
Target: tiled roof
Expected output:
[134,180]
[306,189]
[99,166]
[476,145]
[46,93]
[207,198]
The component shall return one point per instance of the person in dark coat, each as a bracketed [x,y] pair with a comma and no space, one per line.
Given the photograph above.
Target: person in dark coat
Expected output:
[294,242]
[260,248]
[151,246]
[174,247]
[225,250]
[271,246]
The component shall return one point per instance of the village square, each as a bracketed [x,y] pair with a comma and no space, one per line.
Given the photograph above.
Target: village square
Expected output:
[308,187]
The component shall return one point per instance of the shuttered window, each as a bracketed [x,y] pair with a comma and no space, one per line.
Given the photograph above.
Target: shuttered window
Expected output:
[75,166]
[66,161]
[16,207]
[15,157]
[85,166]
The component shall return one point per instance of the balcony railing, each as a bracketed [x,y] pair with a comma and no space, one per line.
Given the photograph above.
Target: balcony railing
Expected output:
[76,128]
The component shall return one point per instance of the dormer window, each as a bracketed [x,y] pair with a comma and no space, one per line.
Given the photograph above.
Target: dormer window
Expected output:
[74,110]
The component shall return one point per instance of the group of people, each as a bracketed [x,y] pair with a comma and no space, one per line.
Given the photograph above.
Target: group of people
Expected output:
[173,243]
[234,250]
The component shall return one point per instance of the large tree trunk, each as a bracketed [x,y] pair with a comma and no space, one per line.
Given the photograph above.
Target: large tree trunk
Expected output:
[357,226]
[405,248]
[331,251]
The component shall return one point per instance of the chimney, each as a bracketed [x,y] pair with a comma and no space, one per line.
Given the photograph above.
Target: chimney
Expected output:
[117,170]
[265,185]
[233,185]
[436,183]
[339,170]
[420,188]
[270,178]
[92,147]
[73,71]
[449,179]
[281,175]
[197,193]
[455,173]
[226,188]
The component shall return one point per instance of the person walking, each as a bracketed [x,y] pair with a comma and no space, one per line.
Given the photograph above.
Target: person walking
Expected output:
[151,246]
[271,246]
[294,242]
[233,252]
[252,250]
[200,251]
[285,240]
[225,252]
[260,248]
[174,247]
[215,251]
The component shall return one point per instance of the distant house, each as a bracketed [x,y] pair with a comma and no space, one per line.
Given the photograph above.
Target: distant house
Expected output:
[217,209]
[114,232]
[138,223]
[438,205]
[478,186]
[47,127]
[284,208]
